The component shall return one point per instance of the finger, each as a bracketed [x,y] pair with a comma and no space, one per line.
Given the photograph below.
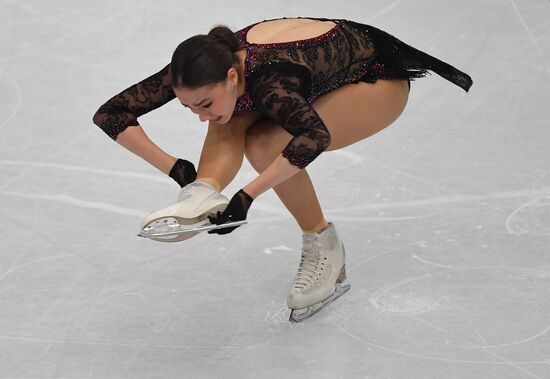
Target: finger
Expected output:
[223,230]
[217,219]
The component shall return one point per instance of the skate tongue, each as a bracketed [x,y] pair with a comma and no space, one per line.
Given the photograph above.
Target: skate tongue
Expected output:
[195,188]
[308,263]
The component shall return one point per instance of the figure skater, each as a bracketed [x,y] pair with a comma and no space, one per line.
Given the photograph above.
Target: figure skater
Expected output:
[279,92]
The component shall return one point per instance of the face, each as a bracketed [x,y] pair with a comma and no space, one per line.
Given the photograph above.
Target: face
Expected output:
[214,102]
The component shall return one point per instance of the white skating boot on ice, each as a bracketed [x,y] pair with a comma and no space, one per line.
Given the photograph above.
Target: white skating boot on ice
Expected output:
[320,275]
[196,202]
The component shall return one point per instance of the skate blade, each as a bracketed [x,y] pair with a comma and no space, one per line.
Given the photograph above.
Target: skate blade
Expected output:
[171,224]
[298,315]
[177,229]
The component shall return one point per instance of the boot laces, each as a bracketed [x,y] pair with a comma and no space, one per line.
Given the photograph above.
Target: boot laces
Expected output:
[307,271]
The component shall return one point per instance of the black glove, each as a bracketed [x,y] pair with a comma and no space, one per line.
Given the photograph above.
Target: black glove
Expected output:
[183,172]
[236,211]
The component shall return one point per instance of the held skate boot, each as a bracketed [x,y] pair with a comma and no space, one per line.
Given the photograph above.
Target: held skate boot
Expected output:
[320,274]
[196,202]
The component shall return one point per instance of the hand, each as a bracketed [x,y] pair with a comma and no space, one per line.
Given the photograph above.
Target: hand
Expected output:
[236,211]
[183,172]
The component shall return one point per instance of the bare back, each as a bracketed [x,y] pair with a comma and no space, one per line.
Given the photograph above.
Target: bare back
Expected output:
[286,30]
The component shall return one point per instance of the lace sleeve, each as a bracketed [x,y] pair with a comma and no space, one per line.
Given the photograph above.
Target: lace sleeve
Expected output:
[122,110]
[281,95]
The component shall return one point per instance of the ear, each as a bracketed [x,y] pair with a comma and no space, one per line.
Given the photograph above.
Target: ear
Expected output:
[233,76]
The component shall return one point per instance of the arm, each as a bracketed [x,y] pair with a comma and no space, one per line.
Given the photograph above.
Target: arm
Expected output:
[135,140]
[282,97]
[118,117]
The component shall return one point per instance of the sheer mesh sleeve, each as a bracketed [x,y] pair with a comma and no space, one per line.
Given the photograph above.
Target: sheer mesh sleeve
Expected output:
[122,110]
[281,95]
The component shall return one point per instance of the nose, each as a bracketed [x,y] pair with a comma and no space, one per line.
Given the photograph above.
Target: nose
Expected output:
[205,116]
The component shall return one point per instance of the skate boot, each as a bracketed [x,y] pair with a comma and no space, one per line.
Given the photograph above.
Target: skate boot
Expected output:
[320,274]
[196,202]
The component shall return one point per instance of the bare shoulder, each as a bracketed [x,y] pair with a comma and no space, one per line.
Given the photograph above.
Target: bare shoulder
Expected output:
[288,29]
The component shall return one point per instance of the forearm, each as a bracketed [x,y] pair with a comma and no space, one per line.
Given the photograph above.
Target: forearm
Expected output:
[277,172]
[135,140]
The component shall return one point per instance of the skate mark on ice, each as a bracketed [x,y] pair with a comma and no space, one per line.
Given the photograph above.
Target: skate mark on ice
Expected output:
[384,10]
[277,248]
[87,170]
[378,300]
[533,217]
[367,260]
[531,36]
[374,219]
[83,30]
[47,17]
[264,207]
[515,281]
[442,200]
[399,303]
[277,313]
[416,257]
[18,97]
[483,347]
[119,343]
[523,341]
[19,267]
[427,357]
[512,364]
[69,200]
[440,329]
[407,175]
[353,158]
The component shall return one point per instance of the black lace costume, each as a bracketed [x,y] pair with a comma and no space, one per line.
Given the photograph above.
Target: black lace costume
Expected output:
[283,79]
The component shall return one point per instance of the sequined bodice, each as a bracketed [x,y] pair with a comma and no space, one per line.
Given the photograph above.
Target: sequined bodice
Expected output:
[339,56]
[283,79]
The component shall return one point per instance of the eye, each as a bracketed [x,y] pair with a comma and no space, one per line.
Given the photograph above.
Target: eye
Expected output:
[207,105]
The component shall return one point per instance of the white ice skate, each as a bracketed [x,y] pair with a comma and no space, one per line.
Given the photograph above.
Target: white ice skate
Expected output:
[186,217]
[320,275]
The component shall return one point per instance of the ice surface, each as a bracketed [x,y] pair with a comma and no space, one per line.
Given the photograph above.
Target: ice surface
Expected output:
[445,215]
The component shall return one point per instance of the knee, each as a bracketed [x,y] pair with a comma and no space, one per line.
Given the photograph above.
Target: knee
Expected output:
[259,145]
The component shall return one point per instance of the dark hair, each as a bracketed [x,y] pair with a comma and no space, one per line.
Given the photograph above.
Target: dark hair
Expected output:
[204,59]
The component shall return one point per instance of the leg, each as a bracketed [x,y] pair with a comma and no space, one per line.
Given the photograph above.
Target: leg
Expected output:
[351,113]
[223,150]
[221,158]
[305,208]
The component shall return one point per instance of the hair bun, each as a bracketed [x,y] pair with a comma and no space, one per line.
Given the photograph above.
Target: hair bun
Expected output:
[225,36]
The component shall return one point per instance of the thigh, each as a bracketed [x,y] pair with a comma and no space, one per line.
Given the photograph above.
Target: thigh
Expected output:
[222,139]
[351,113]
[223,148]
[357,111]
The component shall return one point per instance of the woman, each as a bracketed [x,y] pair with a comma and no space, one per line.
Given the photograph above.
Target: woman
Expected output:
[280,92]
